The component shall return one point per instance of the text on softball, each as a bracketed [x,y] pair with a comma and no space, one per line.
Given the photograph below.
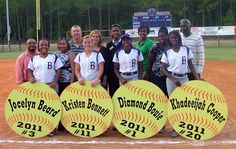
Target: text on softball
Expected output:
[27,104]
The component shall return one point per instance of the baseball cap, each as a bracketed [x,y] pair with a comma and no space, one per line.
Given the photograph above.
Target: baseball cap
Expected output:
[126,36]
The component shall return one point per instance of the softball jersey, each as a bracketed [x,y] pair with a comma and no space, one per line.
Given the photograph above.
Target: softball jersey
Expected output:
[89,64]
[177,61]
[44,69]
[128,62]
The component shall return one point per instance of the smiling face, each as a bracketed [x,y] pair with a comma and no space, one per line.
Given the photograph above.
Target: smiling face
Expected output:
[76,32]
[62,45]
[96,39]
[174,41]
[43,46]
[87,44]
[126,42]
[31,45]
[115,33]
[185,27]
[143,33]
[162,38]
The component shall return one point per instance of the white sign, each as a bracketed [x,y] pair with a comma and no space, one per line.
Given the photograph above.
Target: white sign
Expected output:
[203,31]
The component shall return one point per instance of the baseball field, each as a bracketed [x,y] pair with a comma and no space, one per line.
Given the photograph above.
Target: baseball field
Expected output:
[220,70]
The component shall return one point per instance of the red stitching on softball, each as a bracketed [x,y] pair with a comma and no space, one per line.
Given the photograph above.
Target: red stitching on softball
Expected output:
[203,94]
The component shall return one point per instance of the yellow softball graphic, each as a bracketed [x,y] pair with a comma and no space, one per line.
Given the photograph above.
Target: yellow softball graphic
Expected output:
[86,111]
[140,109]
[197,110]
[33,110]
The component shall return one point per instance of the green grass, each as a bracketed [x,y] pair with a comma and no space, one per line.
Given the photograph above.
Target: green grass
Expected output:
[9,55]
[223,54]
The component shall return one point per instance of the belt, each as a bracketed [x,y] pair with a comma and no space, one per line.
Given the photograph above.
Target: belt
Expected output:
[178,74]
[129,73]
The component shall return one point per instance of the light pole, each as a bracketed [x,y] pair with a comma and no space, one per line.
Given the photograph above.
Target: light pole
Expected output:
[8,26]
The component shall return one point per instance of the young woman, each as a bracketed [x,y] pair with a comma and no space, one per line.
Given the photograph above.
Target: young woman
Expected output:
[175,63]
[46,68]
[127,61]
[154,73]
[97,46]
[89,65]
[67,58]
[144,44]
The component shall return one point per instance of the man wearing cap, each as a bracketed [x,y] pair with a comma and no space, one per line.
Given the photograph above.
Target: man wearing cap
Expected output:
[127,61]
[22,73]
[195,44]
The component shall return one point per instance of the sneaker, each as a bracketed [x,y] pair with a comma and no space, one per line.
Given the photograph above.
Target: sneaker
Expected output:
[53,133]
[174,134]
[162,130]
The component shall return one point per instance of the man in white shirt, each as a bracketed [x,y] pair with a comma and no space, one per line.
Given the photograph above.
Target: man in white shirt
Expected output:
[195,44]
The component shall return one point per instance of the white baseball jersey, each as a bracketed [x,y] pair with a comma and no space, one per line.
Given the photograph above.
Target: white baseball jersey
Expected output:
[177,61]
[89,65]
[44,69]
[128,62]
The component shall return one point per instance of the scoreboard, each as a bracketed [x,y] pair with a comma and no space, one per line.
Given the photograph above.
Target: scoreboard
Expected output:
[158,19]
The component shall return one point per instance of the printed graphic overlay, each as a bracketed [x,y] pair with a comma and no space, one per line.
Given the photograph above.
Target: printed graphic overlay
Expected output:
[197,110]
[140,109]
[33,110]
[86,111]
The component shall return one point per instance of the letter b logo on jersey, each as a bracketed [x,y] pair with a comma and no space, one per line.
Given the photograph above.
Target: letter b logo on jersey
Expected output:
[133,62]
[49,65]
[92,65]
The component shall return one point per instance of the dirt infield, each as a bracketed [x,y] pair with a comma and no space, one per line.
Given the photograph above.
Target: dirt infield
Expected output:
[221,74]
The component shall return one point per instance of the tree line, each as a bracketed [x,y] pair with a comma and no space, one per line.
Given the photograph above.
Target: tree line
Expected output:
[57,16]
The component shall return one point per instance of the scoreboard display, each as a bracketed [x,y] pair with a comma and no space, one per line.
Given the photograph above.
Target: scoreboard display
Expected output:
[152,18]
[152,21]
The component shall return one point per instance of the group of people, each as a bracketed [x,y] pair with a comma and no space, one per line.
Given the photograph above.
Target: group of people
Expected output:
[168,63]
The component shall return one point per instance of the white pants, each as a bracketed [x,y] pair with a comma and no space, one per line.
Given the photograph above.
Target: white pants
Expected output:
[129,77]
[170,85]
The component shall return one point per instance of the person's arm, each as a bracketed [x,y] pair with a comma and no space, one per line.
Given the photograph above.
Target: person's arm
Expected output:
[31,76]
[151,58]
[191,67]
[20,70]
[72,65]
[201,56]
[57,77]
[117,73]
[99,74]
[78,75]
[140,69]
[167,74]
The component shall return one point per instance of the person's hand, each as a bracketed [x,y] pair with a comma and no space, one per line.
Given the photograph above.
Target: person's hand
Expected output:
[176,82]
[145,77]
[123,81]
[32,80]
[53,85]
[81,81]
[94,82]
